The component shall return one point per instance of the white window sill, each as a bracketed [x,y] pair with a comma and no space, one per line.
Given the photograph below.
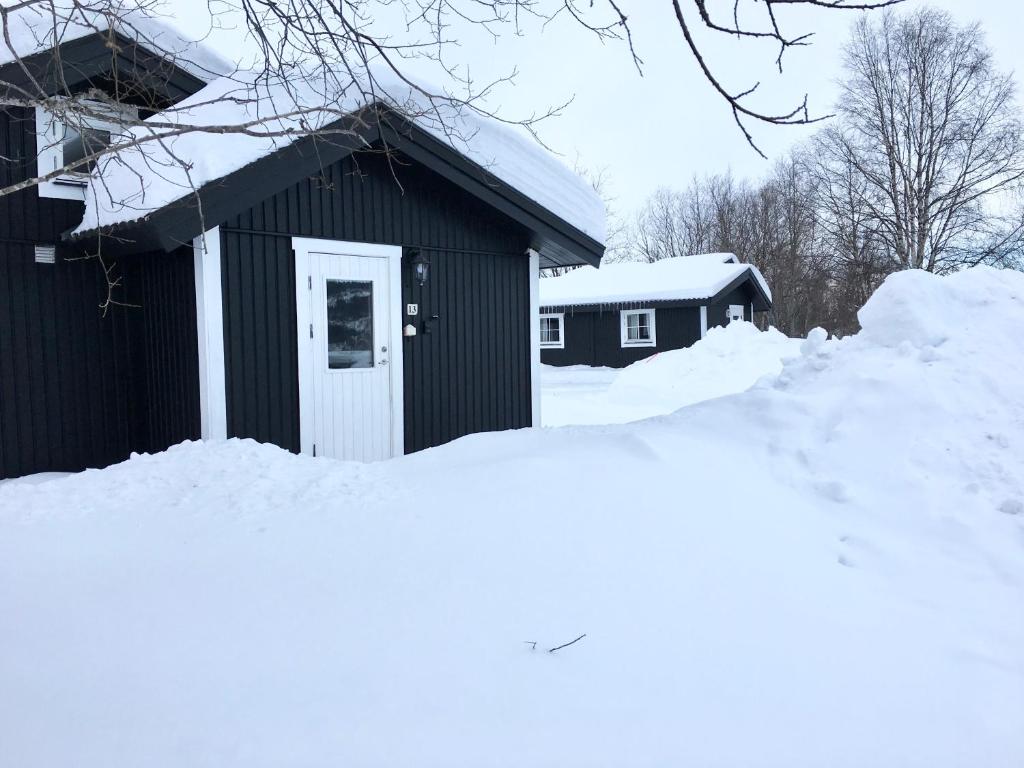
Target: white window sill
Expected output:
[629,344]
[64,188]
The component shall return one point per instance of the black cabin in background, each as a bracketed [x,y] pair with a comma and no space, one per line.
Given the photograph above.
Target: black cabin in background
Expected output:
[622,313]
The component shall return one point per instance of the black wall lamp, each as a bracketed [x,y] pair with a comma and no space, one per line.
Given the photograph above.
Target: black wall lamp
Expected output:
[420,267]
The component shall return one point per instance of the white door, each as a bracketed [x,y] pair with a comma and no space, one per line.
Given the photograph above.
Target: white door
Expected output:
[349,376]
[734,313]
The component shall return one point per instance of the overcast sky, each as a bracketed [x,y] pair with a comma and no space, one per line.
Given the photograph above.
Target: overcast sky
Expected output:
[662,127]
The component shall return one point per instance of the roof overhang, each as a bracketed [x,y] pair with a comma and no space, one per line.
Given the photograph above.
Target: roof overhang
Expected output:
[558,242]
[79,64]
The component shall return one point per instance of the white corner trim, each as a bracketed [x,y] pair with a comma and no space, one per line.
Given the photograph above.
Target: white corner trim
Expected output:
[303,248]
[210,335]
[703,320]
[535,337]
[397,352]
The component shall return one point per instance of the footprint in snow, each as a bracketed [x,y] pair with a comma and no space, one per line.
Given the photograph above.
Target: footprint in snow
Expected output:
[1012,507]
[833,490]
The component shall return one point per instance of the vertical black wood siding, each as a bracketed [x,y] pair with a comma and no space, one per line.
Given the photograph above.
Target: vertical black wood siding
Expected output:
[468,368]
[466,371]
[78,389]
[165,355]
[594,337]
[260,341]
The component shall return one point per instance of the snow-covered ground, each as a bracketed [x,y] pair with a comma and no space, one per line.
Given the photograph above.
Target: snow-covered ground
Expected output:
[728,360]
[825,570]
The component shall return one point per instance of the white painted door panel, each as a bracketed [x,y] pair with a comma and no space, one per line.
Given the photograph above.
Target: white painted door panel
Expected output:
[348,384]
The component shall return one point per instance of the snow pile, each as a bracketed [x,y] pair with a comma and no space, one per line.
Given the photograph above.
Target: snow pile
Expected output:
[38,27]
[729,359]
[280,109]
[682,278]
[827,569]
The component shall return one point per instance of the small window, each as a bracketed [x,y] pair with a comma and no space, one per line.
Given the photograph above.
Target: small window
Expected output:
[638,328]
[552,333]
[83,142]
[735,312]
[59,144]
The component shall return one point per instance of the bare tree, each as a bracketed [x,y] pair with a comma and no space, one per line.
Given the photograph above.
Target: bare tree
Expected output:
[929,139]
[342,49]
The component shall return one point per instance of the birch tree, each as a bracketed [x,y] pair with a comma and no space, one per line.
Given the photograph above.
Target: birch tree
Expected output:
[928,142]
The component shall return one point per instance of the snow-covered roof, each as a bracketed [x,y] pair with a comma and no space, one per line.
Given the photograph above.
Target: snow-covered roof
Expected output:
[679,279]
[146,177]
[40,27]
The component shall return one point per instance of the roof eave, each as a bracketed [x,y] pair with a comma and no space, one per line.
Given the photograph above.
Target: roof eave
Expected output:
[87,57]
[763,304]
[559,243]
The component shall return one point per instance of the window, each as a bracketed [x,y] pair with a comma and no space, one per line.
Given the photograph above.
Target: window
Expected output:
[638,328]
[552,335]
[59,143]
[735,312]
[349,324]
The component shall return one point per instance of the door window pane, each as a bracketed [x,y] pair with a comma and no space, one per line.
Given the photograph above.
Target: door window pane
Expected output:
[349,324]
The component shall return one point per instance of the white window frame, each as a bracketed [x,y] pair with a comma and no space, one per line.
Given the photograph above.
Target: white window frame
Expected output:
[624,339]
[50,149]
[731,310]
[560,344]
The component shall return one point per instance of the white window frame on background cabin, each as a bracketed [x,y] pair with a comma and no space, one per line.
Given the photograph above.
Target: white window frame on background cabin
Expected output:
[560,344]
[50,133]
[624,339]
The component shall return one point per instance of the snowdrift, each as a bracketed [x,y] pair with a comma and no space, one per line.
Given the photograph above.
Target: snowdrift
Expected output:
[842,586]
[728,360]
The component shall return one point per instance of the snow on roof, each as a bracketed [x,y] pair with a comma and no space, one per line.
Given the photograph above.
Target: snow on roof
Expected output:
[143,178]
[678,279]
[40,27]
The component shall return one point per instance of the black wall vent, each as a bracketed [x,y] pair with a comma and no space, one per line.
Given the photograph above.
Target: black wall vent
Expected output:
[46,254]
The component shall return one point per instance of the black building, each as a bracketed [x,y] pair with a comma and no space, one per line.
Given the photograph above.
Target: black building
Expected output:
[621,313]
[357,297]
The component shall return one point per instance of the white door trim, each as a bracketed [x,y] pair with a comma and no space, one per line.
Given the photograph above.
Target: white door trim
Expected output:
[535,337]
[210,335]
[303,247]
[703,320]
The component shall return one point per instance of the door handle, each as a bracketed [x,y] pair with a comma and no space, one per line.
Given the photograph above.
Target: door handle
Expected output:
[382,362]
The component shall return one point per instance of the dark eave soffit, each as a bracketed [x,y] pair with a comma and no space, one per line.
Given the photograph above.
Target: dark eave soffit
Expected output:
[88,58]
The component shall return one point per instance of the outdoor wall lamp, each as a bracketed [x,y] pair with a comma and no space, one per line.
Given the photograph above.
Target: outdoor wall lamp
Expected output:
[421,267]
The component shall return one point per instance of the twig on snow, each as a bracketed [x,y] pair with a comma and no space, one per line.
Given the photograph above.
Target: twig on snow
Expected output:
[566,645]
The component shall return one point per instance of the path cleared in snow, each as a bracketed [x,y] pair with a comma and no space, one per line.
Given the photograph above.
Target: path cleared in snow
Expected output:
[842,587]
[728,360]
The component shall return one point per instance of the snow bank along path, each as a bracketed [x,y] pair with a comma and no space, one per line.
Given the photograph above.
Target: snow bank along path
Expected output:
[728,360]
[844,588]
